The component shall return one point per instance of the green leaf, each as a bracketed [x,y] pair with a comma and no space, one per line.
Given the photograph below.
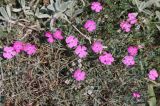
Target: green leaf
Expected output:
[40,15]
[158,14]
[2,18]
[8,10]
[151,94]
[29,12]
[51,1]
[43,16]
[142,6]
[142,68]
[158,27]
[147,12]
[155,2]
[61,7]
[57,4]
[16,9]
[50,7]
[23,3]
[4,13]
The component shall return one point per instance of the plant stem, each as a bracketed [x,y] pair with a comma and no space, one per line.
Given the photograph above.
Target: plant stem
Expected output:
[88,38]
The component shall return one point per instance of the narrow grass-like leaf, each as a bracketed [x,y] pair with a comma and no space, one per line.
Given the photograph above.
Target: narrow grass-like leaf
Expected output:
[158,27]
[158,14]
[151,94]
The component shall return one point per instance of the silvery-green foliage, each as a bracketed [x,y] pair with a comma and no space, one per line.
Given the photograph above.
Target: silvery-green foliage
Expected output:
[27,10]
[143,6]
[60,8]
[2,26]
[6,16]
[22,2]
[158,27]
[40,15]
[158,16]
[8,9]
[155,2]
[5,13]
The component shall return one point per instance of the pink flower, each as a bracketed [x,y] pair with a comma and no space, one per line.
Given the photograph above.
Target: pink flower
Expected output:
[133,21]
[81,51]
[90,25]
[79,75]
[71,41]
[132,18]
[50,40]
[106,58]
[49,37]
[48,34]
[30,49]
[18,46]
[9,52]
[128,60]
[153,74]
[132,50]
[125,26]
[136,95]
[96,6]
[58,34]
[127,30]
[97,47]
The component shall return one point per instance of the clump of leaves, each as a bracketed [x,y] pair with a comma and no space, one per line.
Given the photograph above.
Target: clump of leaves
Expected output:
[146,7]
[57,9]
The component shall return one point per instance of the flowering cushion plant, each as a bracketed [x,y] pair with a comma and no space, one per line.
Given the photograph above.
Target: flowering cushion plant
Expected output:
[93,36]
